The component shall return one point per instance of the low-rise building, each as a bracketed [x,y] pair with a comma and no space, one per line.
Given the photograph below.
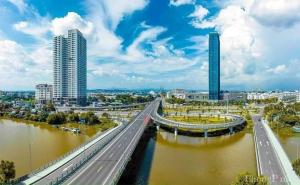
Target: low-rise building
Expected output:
[197,96]
[234,96]
[177,93]
[43,93]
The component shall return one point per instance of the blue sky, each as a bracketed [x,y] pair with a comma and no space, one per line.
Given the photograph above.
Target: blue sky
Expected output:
[155,43]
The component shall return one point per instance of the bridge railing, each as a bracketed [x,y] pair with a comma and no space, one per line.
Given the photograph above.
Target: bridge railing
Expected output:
[87,158]
[125,158]
[61,158]
[237,121]
[121,164]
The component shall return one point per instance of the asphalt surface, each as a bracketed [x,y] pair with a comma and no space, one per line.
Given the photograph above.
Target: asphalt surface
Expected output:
[269,163]
[105,166]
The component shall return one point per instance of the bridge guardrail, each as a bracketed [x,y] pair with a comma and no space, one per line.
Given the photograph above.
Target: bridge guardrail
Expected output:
[127,155]
[70,171]
[22,178]
[238,121]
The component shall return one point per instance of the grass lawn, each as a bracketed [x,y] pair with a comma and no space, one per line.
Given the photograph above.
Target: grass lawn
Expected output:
[198,120]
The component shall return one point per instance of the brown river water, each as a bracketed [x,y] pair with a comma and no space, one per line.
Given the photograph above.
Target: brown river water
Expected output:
[166,160]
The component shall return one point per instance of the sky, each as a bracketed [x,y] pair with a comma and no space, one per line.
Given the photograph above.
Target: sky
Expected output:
[138,44]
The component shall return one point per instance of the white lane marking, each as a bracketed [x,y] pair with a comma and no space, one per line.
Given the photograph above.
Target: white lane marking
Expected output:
[67,167]
[108,147]
[111,155]
[121,158]
[99,169]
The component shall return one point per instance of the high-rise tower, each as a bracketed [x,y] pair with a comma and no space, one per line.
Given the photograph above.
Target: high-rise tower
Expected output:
[214,66]
[70,70]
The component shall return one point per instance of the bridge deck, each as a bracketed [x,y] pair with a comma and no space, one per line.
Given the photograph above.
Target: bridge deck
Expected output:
[91,166]
[270,163]
[107,165]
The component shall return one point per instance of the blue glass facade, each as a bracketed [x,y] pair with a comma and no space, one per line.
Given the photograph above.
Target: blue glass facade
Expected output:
[214,66]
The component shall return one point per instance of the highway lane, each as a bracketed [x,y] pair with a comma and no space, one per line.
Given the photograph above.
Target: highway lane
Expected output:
[269,163]
[103,167]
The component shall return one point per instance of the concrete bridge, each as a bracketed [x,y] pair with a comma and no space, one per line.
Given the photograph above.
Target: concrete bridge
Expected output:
[100,161]
[272,160]
[160,120]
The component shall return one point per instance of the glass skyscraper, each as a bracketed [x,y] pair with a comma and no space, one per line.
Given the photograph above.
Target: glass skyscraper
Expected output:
[214,66]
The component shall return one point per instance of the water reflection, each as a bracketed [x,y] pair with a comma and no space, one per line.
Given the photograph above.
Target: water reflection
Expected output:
[193,160]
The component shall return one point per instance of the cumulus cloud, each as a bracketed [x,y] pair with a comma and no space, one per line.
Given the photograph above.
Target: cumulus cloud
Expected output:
[276,12]
[37,30]
[253,50]
[72,20]
[181,2]
[199,14]
[19,67]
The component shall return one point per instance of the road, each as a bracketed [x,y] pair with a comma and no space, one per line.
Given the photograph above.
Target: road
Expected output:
[269,163]
[105,166]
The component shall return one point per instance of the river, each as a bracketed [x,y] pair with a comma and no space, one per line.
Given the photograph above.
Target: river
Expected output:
[164,159]
[30,146]
[169,160]
[290,144]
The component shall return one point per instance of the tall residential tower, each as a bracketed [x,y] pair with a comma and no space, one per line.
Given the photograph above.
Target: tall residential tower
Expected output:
[214,66]
[69,62]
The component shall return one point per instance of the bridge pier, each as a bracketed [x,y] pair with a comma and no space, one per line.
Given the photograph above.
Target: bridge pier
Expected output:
[205,133]
[175,131]
[231,130]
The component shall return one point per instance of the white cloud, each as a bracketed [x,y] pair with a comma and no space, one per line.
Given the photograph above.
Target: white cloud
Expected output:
[37,30]
[19,67]
[117,9]
[136,53]
[181,2]
[276,12]
[200,13]
[254,51]
[20,4]
[72,20]
[278,69]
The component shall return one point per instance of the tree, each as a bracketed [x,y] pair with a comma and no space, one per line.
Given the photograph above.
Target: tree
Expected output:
[56,119]
[90,118]
[49,107]
[105,115]
[73,117]
[289,119]
[249,179]
[296,166]
[7,171]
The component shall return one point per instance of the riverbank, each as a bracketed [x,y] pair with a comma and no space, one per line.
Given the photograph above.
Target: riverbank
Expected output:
[89,130]
[33,145]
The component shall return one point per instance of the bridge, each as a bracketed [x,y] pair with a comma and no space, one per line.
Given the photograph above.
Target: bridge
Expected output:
[272,160]
[100,161]
[160,120]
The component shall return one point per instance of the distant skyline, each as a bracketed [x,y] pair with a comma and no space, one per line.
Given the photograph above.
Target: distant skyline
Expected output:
[155,43]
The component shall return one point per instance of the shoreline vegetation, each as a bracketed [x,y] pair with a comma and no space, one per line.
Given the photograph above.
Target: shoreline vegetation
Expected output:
[87,129]
[282,117]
